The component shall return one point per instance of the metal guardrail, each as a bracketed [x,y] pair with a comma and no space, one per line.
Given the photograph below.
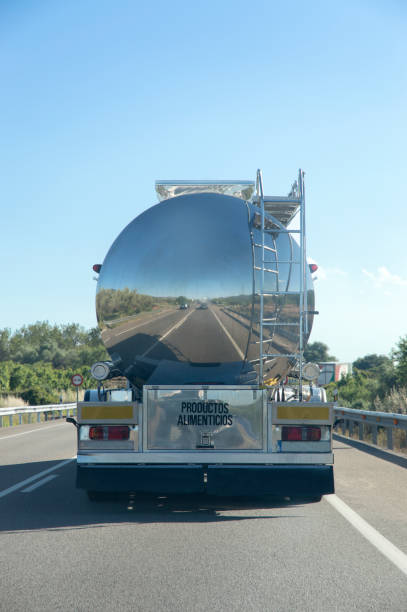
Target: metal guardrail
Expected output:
[49,410]
[348,418]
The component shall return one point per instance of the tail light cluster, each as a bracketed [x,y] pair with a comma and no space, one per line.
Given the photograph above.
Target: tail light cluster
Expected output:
[109,432]
[300,434]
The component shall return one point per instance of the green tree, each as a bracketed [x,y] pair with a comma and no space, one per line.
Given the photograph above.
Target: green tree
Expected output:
[317,352]
[5,344]
[357,390]
[371,362]
[64,346]
[399,355]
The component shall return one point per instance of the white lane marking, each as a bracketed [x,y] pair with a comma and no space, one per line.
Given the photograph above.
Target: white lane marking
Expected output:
[162,315]
[394,554]
[28,480]
[31,431]
[167,333]
[239,352]
[39,484]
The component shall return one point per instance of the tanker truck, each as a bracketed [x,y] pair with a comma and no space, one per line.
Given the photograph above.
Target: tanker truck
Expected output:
[205,302]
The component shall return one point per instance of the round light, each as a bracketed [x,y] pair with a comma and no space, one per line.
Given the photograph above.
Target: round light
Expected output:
[100,370]
[310,371]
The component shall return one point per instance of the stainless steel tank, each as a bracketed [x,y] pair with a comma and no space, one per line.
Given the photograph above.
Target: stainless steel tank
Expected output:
[177,297]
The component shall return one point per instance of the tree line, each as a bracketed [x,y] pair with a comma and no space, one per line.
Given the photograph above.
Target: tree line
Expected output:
[37,361]
[377,382]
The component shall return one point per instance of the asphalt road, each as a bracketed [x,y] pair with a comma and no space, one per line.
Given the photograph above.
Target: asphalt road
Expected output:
[61,552]
[172,336]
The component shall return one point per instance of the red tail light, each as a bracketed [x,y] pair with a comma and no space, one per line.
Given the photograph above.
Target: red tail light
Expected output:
[301,434]
[119,432]
[96,433]
[109,432]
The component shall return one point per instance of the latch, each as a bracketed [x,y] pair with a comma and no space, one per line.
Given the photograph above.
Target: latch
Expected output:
[206,440]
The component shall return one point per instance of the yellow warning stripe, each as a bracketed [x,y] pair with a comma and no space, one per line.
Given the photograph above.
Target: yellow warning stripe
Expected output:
[106,412]
[317,413]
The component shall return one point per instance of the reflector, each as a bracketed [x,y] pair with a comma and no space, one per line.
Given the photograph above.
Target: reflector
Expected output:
[109,432]
[118,432]
[301,434]
[96,433]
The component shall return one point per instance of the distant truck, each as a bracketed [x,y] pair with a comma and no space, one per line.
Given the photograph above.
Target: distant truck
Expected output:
[205,407]
[332,371]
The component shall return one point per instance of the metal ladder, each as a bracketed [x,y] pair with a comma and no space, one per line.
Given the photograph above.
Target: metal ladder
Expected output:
[295,197]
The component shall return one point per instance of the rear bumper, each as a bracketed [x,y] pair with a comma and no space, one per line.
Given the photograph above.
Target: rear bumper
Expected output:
[287,480]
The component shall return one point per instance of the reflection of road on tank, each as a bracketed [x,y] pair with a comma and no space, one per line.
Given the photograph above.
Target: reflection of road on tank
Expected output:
[200,339]
[154,328]
[237,325]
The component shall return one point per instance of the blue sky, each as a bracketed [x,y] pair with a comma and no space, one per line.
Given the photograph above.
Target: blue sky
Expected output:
[99,99]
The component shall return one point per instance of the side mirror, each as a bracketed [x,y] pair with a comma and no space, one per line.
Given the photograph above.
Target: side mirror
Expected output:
[72,420]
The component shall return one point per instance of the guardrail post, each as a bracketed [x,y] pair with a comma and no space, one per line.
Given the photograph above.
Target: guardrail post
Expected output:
[38,417]
[10,420]
[29,417]
[390,438]
[20,419]
[374,434]
[1,421]
[360,431]
[343,427]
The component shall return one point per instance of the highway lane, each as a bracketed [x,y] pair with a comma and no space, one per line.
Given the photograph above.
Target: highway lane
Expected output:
[174,337]
[200,339]
[61,552]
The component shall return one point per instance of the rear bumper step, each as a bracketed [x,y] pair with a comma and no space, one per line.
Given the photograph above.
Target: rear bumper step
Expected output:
[287,480]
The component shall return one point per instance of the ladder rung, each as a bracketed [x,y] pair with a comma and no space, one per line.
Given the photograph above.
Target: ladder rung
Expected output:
[281,231]
[296,355]
[290,324]
[282,199]
[278,293]
[288,262]
[266,248]
[266,269]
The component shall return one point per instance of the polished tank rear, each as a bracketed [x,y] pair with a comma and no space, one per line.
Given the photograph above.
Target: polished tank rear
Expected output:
[177,298]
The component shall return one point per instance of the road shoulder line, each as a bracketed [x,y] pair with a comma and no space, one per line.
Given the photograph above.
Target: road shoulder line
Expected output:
[394,554]
[235,346]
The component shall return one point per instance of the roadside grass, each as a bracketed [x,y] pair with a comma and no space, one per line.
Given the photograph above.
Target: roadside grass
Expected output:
[12,401]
